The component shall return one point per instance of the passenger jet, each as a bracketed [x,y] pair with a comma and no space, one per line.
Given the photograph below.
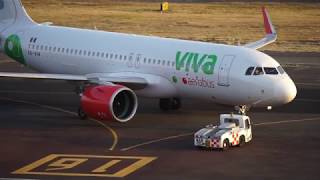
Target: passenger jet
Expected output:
[112,69]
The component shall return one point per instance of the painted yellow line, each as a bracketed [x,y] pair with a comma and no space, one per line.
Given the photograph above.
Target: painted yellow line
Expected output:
[138,163]
[113,132]
[156,140]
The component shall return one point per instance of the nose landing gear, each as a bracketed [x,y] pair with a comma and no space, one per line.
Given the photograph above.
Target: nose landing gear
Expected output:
[242,109]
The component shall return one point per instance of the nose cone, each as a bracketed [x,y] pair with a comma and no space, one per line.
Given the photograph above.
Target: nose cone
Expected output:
[285,91]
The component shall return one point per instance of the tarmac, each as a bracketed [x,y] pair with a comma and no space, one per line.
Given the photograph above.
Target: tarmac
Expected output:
[41,136]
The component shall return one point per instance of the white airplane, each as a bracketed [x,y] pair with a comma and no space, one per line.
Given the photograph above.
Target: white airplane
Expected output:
[112,68]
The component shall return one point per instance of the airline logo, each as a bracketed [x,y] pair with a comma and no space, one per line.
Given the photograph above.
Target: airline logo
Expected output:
[13,49]
[191,61]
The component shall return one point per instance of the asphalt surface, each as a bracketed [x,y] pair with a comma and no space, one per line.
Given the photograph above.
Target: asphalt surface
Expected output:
[42,138]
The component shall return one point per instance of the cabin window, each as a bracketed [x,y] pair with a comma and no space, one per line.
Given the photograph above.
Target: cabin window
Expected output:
[59,49]
[67,50]
[71,51]
[111,56]
[54,49]
[102,55]
[173,64]
[125,58]
[258,71]
[80,52]
[37,48]
[89,53]
[107,55]
[270,70]
[31,40]
[249,71]
[168,63]
[50,48]
[120,57]
[247,124]
[116,56]
[281,70]
[84,52]
[98,54]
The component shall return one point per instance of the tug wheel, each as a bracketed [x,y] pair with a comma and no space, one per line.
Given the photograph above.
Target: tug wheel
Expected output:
[242,141]
[225,145]
[82,115]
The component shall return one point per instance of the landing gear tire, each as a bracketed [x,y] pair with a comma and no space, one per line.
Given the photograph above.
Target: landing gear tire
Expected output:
[242,109]
[82,115]
[170,104]
[242,141]
[225,145]
[176,104]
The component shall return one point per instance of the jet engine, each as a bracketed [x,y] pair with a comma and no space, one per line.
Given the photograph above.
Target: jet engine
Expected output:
[109,102]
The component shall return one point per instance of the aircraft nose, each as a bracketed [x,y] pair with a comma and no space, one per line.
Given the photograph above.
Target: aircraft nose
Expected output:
[285,91]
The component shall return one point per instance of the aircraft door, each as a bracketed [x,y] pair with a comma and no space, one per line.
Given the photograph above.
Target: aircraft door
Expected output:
[130,62]
[138,61]
[224,70]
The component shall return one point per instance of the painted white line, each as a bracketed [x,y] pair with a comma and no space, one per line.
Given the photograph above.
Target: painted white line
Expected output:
[113,132]
[308,100]
[189,134]
[16,179]
[287,121]
[36,92]
[156,140]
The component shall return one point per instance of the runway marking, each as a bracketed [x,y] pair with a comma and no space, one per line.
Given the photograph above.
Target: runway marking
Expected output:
[308,100]
[189,134]
[156,140]
[82,165]
[113,132]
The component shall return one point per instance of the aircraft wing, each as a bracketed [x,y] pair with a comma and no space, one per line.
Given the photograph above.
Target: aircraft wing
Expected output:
[99,78]
[271,34]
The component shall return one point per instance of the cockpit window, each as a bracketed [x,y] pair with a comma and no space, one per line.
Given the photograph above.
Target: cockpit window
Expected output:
[281,70]
[249,71]
[258,71]
[270,70]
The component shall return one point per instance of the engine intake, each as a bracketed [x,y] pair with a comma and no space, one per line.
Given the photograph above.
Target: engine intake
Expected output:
[109,102]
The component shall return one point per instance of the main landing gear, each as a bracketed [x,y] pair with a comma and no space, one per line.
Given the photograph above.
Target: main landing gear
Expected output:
[170,104]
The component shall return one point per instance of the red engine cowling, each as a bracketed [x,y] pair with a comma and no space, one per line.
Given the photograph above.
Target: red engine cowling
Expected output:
[109,102]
